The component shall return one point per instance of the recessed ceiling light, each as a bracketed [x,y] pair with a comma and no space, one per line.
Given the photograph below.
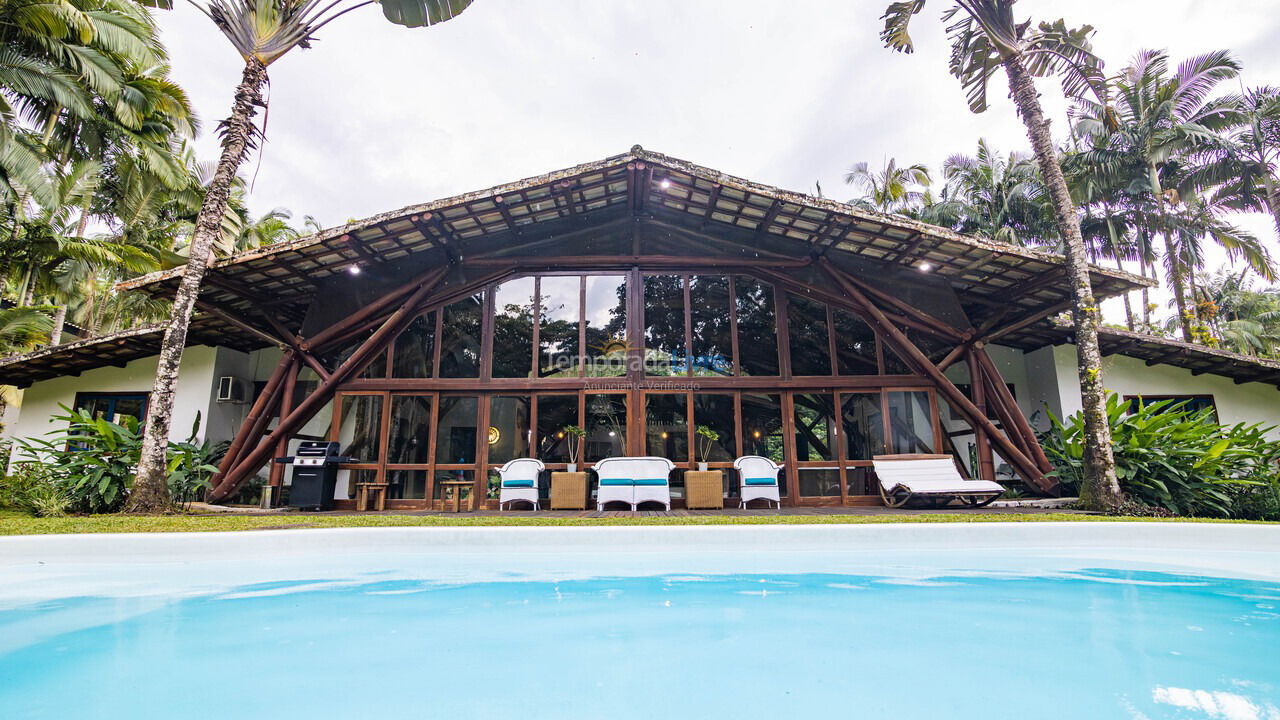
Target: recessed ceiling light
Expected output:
[354,269]
[925,267]
[665,183]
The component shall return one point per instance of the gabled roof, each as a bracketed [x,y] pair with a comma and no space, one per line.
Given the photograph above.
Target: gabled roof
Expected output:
[990,278]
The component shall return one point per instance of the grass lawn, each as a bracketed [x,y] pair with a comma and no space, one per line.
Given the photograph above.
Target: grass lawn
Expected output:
[17,523]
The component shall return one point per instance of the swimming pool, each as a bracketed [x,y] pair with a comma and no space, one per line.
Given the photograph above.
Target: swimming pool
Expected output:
[1028,620]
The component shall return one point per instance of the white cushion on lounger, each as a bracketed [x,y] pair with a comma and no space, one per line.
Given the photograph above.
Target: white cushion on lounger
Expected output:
[926,476]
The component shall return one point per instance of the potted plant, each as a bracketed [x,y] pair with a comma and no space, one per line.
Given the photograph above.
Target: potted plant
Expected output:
[573,434]
[706,438]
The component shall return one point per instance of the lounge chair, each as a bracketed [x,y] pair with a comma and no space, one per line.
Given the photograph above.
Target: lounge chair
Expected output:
[904,478]
[634,480]
[757,479]
[519,481]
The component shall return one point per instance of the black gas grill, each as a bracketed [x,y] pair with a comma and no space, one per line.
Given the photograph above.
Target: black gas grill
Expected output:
[315,474]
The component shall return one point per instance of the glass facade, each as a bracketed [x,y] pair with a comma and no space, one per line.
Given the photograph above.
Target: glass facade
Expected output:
[639,361]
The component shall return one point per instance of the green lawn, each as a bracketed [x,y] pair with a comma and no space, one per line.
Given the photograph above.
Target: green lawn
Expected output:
[16,523]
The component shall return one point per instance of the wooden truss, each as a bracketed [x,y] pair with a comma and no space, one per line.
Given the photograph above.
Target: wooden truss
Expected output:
[1009,434]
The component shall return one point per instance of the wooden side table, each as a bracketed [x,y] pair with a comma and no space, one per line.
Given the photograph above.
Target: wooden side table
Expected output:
[379,492]
[452,489]
[704,489]
[568,491]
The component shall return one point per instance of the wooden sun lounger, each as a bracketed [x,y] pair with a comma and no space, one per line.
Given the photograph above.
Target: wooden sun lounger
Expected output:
[904,478]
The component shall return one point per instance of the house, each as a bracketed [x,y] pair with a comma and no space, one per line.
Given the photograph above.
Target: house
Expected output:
[637,297]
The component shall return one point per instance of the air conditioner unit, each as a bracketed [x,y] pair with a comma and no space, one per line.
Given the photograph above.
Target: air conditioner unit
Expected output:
[230,390]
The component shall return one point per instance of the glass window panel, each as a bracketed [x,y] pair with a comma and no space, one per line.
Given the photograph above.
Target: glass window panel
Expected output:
[406,484]
[360,431]
[855,344]
[460,338]
[443,476]
[415,348]
[558,326]
[508,435]
[606,426]
[807,327]
[762,426]
[456,430]
[134,406]
[410,430]
[861,481]
[667,426]
[757,327]
[935,348]
[815,426]
[712,339]
[555,412]
[513,329]
[715,412]
[606,325]
[664,325]
[819,482]
[863,422]
[911,422]
[97,406]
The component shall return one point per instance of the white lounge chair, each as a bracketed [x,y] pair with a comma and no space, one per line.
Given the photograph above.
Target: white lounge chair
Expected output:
[757,479]
[519,481]
[634,480]
[904,478]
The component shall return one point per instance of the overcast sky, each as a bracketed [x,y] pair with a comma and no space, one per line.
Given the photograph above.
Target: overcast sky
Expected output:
[376,116]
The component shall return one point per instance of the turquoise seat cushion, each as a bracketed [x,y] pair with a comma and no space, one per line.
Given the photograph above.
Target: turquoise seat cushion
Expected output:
[651,481]
[759,481]
[517,483]
[616,481]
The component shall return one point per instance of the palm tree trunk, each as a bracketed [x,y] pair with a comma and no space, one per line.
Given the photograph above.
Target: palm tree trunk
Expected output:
[150,489]
[1143,266]
[1273,198]
[1173,259]
[1115,252]
[1101,488]
[59,322]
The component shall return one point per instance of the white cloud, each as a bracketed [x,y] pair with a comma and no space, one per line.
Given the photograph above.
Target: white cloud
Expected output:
[377,116]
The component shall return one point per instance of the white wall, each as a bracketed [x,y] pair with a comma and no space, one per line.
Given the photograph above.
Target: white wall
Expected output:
[197,384]
[1249,403]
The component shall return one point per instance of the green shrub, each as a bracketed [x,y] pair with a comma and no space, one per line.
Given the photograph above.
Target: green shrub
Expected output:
[91,461]
[32,488]
[1183,461]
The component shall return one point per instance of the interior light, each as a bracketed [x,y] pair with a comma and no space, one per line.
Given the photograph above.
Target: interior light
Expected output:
[925,267]
[664,436]
[612,433]
[559,434]
[354,269]
[665,183]
[756,434]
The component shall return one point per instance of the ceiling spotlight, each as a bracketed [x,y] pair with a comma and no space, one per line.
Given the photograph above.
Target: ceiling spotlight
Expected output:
[665,183]
[925,267]
[354,269]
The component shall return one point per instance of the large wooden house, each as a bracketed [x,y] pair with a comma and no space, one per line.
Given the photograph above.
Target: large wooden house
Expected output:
[637,297]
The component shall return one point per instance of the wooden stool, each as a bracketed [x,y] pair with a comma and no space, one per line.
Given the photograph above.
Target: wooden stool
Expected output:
[376,489]
[454,488]
[704,489]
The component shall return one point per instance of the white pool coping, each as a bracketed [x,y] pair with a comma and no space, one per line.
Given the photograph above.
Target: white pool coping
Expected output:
[43,567]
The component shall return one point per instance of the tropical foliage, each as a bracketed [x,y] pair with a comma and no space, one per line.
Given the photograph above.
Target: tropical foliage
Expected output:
[1183,461]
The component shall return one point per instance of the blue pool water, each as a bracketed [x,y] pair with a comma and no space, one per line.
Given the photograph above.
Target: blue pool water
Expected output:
[1084,643]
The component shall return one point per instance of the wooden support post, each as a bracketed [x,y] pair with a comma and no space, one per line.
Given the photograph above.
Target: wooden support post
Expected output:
[1021,425]
[908,351]
[282,445]
[977,387]
[376,343]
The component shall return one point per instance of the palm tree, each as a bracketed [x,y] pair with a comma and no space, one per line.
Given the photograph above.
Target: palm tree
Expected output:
[1159,127]
[999,197]
[985,38]
[1239,317]
[262,31]
[891,190]
[1256,152]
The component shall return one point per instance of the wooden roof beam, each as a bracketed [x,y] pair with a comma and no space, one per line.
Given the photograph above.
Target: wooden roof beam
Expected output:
[712,200]
[501,204]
